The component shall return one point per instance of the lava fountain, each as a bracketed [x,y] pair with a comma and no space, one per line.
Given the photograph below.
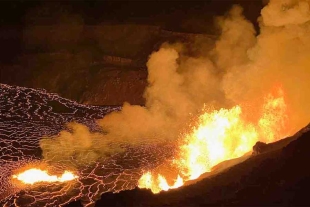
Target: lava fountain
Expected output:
[221,135]
[35,175]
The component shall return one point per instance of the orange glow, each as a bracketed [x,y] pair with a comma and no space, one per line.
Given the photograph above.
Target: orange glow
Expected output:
[222,135]
[147,181]
[35,175]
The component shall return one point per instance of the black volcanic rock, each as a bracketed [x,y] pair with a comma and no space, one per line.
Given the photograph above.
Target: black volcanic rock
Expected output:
[279,177]
[96,65]
[259,147]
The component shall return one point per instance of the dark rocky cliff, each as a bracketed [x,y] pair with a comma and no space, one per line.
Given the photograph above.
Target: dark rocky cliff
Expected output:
[99,65]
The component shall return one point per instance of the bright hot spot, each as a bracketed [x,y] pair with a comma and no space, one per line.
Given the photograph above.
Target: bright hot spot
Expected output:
[221,135]
[36,175]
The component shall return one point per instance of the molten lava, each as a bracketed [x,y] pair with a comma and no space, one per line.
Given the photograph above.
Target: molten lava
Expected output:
[35,175]
[147,181]
[222,135]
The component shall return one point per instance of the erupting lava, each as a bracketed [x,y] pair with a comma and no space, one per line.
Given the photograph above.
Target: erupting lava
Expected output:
[222,135]
[35,175]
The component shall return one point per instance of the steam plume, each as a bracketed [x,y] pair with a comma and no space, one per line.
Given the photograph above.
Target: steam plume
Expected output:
[240,67]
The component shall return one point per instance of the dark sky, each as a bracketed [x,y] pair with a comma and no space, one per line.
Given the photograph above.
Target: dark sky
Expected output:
[15,12]
[181,16]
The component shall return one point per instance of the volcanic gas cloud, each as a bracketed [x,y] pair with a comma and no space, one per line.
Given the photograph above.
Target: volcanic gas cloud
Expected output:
[213,105]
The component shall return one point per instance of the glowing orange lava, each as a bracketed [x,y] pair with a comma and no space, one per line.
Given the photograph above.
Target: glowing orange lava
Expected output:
[35,175]
[222,135]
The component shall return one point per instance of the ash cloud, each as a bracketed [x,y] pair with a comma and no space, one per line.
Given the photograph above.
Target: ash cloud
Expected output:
[240,67]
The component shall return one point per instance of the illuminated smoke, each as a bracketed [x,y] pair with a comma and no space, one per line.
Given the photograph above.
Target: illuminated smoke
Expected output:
[280,56]
[241,68]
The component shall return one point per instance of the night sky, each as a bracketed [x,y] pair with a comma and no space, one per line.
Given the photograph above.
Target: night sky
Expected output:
[164,12]
[181,16]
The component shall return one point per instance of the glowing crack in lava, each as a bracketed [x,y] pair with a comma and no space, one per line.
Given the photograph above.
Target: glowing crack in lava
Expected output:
[35,175]
[221,135]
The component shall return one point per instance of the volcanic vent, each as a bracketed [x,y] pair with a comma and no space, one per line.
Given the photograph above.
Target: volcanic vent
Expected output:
[200,110]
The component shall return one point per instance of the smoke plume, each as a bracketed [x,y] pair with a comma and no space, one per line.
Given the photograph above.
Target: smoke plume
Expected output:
[241,67]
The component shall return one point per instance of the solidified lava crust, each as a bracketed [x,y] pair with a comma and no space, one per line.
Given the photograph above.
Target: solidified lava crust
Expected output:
[26,115]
